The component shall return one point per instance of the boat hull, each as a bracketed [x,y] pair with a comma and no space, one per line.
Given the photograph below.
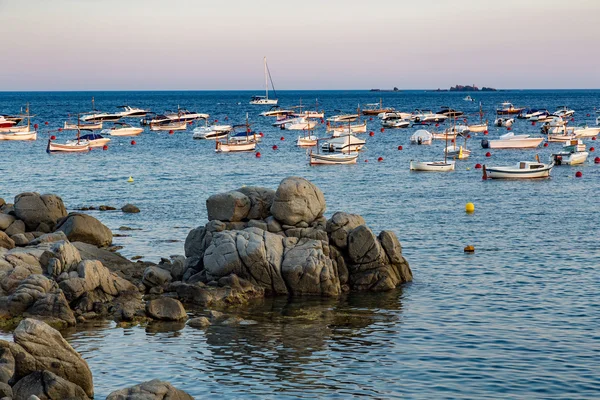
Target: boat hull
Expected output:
[478,128]
[435,166]
[515,173]
[570,158]
[528,143]
[235,147]
[22,136]
[333,159]
[67,148]
[126,132]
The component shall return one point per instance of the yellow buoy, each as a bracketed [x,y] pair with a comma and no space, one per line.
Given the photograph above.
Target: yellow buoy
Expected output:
[130,179]
[470,208]
[469,249]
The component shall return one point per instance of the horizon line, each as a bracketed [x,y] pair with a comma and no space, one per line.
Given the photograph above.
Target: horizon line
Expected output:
[294,90]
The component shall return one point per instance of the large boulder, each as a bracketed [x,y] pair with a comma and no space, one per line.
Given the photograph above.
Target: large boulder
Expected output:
[340,224]
[297,200]
[15,228]
[46,385]
[6,242]
[156,276]
[231,206]
[166,309]
[85,228]
[39,347]
[151,390]
[5,221]
[34,209]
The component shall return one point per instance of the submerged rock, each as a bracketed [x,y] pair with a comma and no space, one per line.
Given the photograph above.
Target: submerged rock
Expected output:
[130,208]
[151,390]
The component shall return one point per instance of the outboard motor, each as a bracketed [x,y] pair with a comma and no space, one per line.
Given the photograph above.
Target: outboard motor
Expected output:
[485,144]
[557,159]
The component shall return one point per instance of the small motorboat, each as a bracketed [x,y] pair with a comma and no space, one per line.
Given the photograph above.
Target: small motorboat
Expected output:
[130,112]
[82,125]
[450,112]
[585,131]
[123,129]
[276,111]
[376,108]
[19,135]
[424,116]
[421,137]
[523,170]
[331,159]
[504,122]
[564,112]
[7,121]
[238,141]
[477,128]
[468,98]
[169,125]
[432,166]
[343,118]
[512,141]
[299,124]
[307,141]
[345,129]
[93,139]
[395,123]
[74,146]
[507,108]
[394,115]
[345,143]
[212,132]
[573,153]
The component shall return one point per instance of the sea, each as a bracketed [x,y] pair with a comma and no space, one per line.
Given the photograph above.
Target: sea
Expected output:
[518,318]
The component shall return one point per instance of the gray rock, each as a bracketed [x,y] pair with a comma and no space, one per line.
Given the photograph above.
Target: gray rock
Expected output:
[165,309]
[230,206]
[15,228]
[130,208]
[5,221]
[297,200]
[6,242]
[50,238]
[46,385]
[199,322]
[85,228]
[7,363]
[151,390]
[60,257]
[363,246]
[261,200]
[5,391]
[391,245]
[22,239]
[34,209]
[40,347]
[340,224]
[156,276]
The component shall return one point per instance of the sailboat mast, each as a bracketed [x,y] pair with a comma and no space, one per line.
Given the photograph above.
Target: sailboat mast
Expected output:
[266,80]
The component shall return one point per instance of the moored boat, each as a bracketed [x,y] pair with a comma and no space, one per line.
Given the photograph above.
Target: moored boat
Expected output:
[345,143]
[522,170]
[507,108]
[332,159]
[93,139]
[264,100]
[169,125]
[512,141]
[421,137]
[573,153]
[212,131]
[82,125]
[376,108]
[432,166]
[123,129]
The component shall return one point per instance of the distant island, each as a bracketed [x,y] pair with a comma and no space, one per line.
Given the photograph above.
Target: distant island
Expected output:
[467,88]
[395,89]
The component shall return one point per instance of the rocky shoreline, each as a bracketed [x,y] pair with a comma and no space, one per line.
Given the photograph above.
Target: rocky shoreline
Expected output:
[55,268]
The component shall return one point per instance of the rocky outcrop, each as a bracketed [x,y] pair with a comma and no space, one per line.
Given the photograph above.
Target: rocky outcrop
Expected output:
[46,385]
[287,248]
[35,209]
[130,209]
[151,390]
[85,228]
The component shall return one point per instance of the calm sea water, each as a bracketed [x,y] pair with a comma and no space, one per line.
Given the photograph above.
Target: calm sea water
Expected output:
[517,319]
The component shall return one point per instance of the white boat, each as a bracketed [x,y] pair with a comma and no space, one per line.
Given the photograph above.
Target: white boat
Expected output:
[376,108]
[331,159]
[130,112]
[504,122]
[512,141]
[307,141]
[573,153]
[476,128]
[560,137]
[299,124]
[564,112]
[6,123]
[346,143]
[394,115]
[523,170]
[457,152]
[541,116]
[169,126]
[77,146]
[212,131]
[15,128]
[507,108]
[185,115]
[123,129]
[276,111]
[468,98]
[584,131]
[93,140]
[343,118]
[395,123]
[309,114]
[345,129]
[239,142]
[444,135]
[82,125]
[432,166]
[424,116]
[264,100]
[25,136]
[421,137]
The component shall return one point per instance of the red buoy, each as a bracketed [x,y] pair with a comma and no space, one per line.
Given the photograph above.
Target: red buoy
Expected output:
[322,121]
[371,134]
[592,149]
[452,141]
[258,154]
[587,115]
[133,143]
[260,134]
[546,144]
[216,120]
[275,147]
[594,138]
[371,119]
[282,138]
[572,119]
[532,123]
[399,147]
[488,154]
[468,136]
[171,132]
[105,147]
[578,174]
[60,129]
[597,160]
[465,120]
[35,126]
[382,130]
[437,125]
[190,122]
[366,160]
[485,132]
[380,159]
[477,166]
[46,123]
[52,137]
[508,129]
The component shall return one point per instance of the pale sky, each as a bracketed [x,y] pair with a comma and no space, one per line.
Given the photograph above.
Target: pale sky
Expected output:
[310,44]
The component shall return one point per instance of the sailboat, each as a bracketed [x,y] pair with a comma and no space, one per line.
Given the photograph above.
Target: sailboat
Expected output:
[264,100]
[347,157]
[433,166]
[20,133]
[481,126]
[457,152]
[308,140]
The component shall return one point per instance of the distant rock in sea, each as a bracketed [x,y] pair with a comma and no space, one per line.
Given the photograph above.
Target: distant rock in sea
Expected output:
[461,88]
[395,89]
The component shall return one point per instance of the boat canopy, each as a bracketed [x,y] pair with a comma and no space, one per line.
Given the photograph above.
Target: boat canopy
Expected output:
[91,136]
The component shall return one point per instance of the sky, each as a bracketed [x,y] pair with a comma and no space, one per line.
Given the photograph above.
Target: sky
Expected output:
[309,44]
